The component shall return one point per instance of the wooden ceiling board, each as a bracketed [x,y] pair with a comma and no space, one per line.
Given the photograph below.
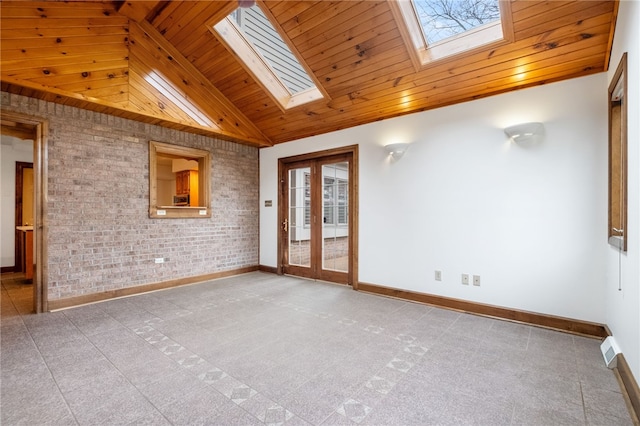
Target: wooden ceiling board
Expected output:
[138,9]
[355,50]
[557,17]
[285,10]
[329,49]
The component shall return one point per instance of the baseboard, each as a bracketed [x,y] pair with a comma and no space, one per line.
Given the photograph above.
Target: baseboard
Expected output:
[7,269]
[270,269]
[542,320]
[630,386]
[69,302]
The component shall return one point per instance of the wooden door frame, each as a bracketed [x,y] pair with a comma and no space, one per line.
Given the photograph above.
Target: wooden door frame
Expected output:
[19,187]
[353,204]
[40,129]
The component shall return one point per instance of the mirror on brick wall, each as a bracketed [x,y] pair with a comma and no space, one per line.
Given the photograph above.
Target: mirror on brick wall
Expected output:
[179,185]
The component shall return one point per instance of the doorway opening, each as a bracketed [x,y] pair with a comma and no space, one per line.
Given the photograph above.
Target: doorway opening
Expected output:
[23,228]
[318,202]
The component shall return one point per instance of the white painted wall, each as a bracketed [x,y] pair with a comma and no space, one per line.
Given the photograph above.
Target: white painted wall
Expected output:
[530,221]
[623,307]
[12,150]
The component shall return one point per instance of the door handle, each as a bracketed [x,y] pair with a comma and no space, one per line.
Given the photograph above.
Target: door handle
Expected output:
[619,231]
[285,225]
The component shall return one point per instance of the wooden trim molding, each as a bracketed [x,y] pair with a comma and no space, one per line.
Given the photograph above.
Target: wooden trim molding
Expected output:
[542,320]
[130,291]
[7,269]
[629,386]
[269,269]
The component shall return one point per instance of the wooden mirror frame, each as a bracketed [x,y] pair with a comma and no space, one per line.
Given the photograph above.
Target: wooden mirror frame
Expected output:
[617,106]
[203,210]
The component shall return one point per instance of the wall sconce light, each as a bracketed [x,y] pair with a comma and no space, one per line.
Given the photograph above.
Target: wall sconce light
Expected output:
[396,150]
[524,132]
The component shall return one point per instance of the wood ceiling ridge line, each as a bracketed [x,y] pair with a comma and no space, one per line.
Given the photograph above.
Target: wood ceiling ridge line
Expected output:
[216,95]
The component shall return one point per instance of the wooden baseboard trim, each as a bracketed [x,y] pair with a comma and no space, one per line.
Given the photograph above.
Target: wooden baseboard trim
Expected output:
[7,269]
[270,269]
[69,302]
[630,387]
[542,320]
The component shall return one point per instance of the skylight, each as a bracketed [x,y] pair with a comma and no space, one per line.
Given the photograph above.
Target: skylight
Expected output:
[442,28]
[442,19]
[266,55]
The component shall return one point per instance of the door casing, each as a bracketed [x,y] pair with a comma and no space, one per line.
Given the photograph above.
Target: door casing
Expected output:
[283,164]
[40,128]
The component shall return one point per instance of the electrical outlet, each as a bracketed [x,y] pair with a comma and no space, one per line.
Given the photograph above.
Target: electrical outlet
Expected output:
[465,279]
[438,275]
[476,280]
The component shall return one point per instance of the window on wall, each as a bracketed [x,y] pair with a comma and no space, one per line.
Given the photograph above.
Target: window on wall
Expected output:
[618,157]
[179,181]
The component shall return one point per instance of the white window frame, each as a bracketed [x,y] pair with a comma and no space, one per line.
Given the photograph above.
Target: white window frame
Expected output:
[494,33]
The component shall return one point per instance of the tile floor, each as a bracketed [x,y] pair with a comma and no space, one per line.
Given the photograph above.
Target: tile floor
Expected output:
[264,349]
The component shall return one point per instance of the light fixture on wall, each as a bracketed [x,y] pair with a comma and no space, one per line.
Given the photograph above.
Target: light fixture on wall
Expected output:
[396,150]
[524,132]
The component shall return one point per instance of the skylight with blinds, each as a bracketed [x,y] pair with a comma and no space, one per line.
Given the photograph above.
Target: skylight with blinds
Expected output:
[266,55]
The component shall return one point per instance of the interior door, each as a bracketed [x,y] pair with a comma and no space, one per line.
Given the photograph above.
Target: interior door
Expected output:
[317,216]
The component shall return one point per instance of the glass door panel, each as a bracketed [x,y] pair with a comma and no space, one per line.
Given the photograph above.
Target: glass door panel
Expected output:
[299,220]
[335,208]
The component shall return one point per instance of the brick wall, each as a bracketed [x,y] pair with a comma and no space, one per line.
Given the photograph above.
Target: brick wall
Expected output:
[99,236]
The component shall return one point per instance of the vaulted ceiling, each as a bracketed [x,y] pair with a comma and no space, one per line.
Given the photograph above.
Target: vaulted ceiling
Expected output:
[159,62]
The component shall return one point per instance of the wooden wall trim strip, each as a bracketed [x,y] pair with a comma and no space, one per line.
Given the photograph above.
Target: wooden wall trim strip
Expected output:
[542,320]
[630,387]
[270,269]
[58,304]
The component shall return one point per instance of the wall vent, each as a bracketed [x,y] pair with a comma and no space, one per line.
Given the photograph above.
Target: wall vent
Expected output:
[610,351]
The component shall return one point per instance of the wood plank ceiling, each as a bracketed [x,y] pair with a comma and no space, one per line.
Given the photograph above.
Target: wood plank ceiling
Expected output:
[158,61]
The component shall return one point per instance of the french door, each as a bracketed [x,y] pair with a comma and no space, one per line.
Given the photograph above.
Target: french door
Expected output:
[317,216]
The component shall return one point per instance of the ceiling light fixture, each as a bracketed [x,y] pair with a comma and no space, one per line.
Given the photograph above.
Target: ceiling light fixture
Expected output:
[396,150]
[524,132]
[246,3]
